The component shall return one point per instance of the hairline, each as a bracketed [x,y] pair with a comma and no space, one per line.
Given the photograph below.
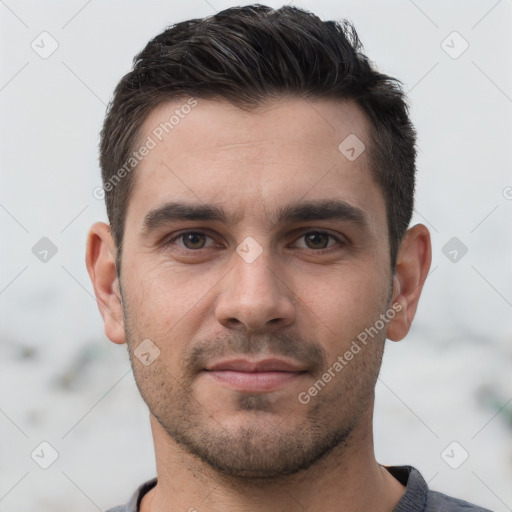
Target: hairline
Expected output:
[259,104]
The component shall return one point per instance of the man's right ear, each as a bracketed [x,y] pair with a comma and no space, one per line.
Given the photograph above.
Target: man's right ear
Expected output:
[100,259]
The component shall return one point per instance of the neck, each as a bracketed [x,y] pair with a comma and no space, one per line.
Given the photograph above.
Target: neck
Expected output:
[348,478]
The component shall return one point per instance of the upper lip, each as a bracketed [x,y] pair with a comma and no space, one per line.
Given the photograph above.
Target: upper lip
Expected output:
[264,365]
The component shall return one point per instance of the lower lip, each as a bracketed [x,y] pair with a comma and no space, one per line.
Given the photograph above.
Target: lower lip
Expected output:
[254,381]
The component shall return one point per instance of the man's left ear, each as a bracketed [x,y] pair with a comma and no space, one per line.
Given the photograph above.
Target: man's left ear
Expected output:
[412,266]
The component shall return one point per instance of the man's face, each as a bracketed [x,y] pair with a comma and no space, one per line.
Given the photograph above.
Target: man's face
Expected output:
[255,252]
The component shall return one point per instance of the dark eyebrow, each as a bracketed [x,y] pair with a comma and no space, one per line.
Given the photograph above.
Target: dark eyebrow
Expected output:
[322,210]
[300,212]
[181,211]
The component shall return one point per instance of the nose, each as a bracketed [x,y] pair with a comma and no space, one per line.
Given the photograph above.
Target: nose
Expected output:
[255,297]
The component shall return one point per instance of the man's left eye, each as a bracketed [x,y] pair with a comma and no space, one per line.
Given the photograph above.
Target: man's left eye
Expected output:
[316,240]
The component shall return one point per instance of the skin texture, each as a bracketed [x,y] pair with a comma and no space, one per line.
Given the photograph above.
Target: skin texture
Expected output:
[300,290]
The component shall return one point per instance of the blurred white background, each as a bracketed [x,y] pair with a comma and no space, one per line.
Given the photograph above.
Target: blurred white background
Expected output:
[64,383]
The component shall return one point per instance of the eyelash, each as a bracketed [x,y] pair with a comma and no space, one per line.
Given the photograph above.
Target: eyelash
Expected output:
[170,241]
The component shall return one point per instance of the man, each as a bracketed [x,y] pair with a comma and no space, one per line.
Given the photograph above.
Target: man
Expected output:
[259,178]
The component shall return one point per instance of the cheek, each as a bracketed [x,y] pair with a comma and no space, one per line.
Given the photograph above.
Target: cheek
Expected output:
[346,299]
[167,301]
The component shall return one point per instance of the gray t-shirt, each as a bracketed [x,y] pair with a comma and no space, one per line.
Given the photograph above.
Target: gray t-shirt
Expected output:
[417,496]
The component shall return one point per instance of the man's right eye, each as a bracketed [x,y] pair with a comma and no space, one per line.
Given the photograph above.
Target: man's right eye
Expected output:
[192,240]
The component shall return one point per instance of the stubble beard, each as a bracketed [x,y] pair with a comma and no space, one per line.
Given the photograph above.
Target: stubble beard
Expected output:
[250,453]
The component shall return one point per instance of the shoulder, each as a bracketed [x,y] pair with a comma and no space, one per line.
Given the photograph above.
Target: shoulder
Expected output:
[439,501]
[133,504]
[418,497]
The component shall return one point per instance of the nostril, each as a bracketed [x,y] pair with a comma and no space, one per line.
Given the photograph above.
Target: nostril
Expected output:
[233,322]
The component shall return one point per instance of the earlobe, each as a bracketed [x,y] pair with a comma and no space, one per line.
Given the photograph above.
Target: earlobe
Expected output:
[101,265]
[412,266]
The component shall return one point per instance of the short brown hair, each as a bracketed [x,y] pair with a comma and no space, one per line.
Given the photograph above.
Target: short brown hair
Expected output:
[248,55]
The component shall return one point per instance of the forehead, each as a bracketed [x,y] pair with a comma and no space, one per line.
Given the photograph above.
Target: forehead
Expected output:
[251,162]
